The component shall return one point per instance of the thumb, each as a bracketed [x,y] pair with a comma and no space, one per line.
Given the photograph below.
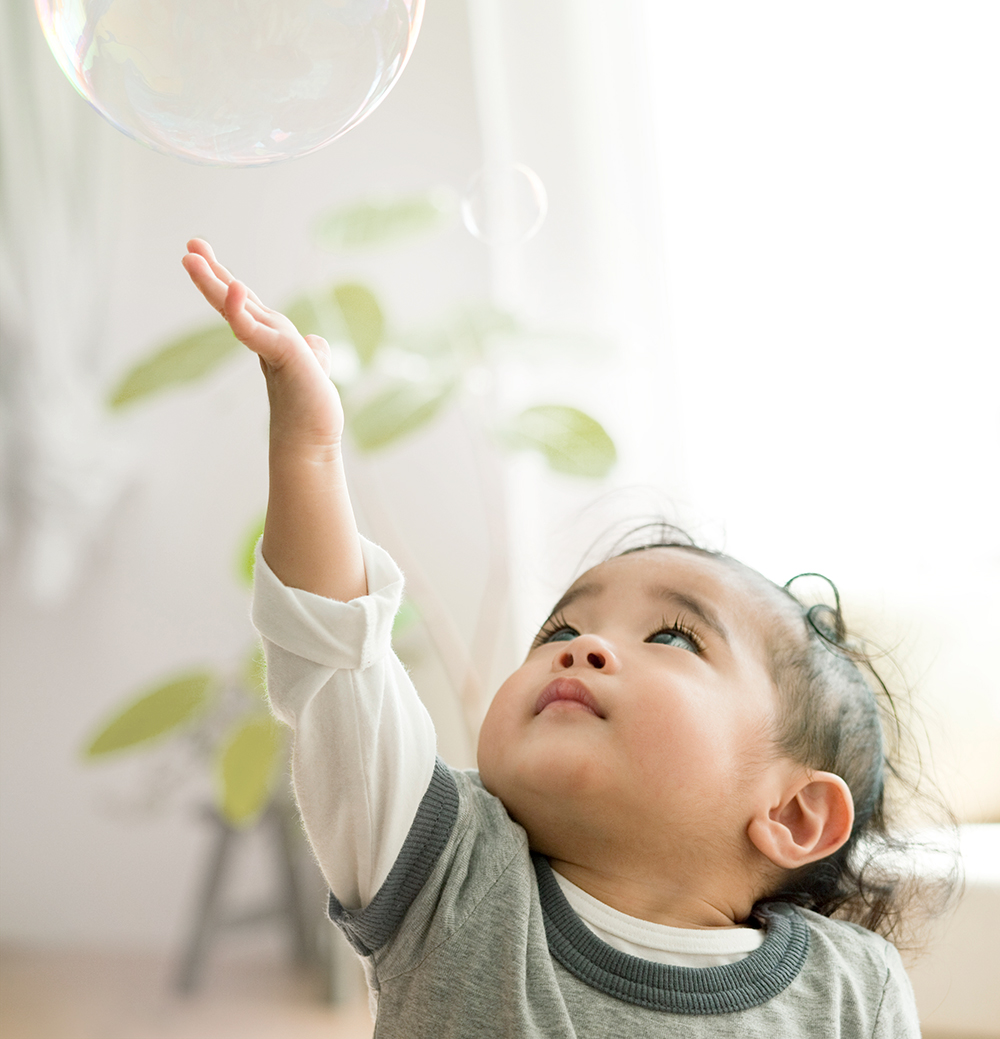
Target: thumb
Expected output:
[321,350]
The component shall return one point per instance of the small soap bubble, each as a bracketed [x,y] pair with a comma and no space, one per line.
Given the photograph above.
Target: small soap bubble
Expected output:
[505,204]
[232,82]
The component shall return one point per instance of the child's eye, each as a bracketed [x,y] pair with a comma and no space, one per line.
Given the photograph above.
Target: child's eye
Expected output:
[561,635]
[678,635]
[555,629]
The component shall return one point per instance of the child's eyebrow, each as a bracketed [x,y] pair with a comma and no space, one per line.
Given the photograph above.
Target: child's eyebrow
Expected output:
[577,592]
[703,612]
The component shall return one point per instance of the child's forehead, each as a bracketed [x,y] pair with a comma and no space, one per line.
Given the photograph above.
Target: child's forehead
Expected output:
[651,568]
[715,586]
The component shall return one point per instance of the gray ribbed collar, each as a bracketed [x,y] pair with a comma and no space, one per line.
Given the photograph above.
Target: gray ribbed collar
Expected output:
[657,986]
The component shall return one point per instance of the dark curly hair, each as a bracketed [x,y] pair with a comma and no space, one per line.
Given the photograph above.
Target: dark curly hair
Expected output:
[838,715]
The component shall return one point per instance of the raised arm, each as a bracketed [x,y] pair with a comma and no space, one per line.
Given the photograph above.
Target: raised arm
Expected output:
[364,745]
[310,534]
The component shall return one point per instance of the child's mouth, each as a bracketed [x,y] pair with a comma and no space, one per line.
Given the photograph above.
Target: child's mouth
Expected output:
[568,692]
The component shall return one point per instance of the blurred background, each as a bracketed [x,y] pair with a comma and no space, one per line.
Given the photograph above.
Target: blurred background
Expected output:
[769,270]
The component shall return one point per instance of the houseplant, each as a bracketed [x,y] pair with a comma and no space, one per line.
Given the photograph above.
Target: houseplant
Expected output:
[393,383]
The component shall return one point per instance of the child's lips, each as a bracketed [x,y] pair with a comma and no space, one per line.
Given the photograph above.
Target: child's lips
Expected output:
[568,691]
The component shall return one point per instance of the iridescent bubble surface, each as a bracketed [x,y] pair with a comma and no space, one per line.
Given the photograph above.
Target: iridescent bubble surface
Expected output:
[232,82]
[505,204]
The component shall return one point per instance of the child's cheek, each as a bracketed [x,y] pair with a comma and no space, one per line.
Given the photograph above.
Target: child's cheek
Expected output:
[495,736]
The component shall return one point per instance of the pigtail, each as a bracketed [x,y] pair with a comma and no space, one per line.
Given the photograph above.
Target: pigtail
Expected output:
[841,716]
[825,620]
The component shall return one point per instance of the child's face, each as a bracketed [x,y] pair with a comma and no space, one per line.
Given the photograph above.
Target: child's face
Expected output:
[645,708]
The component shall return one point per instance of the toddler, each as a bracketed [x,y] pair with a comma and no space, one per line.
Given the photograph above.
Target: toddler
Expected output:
[670,794]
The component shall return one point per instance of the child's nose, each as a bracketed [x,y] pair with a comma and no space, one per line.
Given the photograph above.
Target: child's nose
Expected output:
[588,651]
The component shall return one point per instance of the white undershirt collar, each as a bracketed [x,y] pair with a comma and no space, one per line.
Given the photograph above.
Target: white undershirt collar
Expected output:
[679,946]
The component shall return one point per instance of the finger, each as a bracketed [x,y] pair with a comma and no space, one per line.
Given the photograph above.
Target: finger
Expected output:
[243,317]
[204,268]
[257,335]
[321,349]
[202,248]
[255,308]
[211,287]
[235,312]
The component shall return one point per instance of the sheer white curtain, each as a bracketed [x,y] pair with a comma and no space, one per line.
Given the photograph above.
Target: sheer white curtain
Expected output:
[829,181]
[561,86]
[785,218]
[829,187]
[61,466]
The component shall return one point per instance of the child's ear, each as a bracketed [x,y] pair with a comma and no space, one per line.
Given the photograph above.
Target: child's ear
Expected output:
[811,821]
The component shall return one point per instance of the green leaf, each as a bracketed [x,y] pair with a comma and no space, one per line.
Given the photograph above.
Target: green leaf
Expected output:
[571,441]
[377,221]
[248,551]
[317,313]
[301,311]
[406,616]
[255,672]
[346,312]
[363,317]
[396,411]
[184,360]
[154,714]
[247,768]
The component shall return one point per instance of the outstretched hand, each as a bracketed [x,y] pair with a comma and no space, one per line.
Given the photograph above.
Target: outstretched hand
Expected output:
[305,406]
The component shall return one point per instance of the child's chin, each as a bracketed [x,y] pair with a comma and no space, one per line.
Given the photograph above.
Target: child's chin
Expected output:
[540,781]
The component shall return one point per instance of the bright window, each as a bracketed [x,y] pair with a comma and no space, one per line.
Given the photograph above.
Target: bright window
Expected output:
[831,201]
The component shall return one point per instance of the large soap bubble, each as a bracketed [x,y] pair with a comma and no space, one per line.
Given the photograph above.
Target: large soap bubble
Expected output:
[232,82]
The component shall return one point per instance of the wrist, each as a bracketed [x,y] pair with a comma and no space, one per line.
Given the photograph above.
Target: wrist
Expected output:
[308,446]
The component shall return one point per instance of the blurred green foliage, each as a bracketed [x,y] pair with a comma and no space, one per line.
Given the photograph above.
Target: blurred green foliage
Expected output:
[246,766]
[181,361]
[363,318]
[375,222]
[391,387]
[248,553]
[152,715]
[397,409]
[571,441]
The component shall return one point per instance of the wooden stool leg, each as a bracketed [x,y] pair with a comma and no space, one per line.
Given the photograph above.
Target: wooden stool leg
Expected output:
[208,914]
[289,908]
[297,913]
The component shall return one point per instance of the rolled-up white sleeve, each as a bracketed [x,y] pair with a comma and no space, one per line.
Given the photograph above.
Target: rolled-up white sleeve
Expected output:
[364,745]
